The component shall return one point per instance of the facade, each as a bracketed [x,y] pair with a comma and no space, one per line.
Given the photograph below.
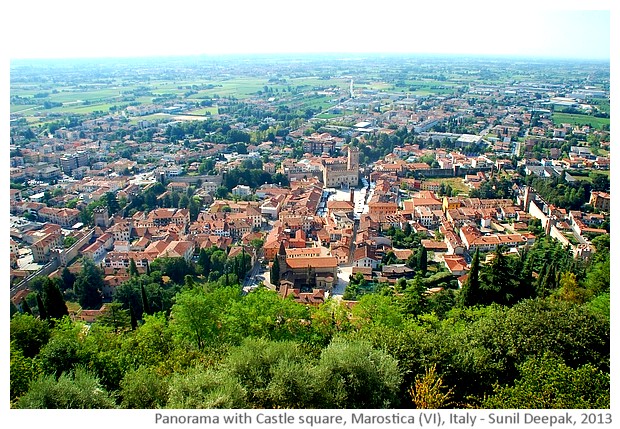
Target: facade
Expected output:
[339,172]
[307,273]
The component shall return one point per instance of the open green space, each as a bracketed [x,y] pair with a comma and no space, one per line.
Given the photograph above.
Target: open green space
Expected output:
[456,183]
[203,111]
[580,120]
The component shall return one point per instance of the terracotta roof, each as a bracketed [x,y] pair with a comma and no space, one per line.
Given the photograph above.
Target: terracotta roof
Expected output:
[314,262]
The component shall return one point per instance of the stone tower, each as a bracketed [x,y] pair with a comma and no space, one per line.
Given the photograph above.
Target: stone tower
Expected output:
[527,198]
[353,159]
[101,217]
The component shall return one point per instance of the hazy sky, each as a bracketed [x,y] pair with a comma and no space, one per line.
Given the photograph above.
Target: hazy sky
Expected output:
[75,28]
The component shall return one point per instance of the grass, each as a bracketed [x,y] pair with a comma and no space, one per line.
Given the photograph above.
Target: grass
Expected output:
[203,111]
[577,119]
[456,183]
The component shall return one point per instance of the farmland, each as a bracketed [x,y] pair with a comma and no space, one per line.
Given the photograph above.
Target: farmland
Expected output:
[577,119]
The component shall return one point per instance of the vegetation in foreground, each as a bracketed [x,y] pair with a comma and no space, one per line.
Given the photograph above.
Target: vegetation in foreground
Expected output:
[484,346]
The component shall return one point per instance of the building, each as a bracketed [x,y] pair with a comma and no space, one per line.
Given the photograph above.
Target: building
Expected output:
[339,172]
[307,273]
[242,191]
[600,201]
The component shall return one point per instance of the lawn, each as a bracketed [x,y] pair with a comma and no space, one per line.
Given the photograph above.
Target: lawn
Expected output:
[456,183]
[203,111]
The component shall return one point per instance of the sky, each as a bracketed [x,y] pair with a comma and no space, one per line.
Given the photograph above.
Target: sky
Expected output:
[125,28]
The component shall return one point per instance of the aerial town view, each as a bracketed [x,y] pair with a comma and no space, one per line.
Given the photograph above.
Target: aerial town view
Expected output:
[331,231]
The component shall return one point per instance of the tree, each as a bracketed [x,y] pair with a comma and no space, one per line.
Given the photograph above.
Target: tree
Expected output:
[352,374]
[275,272]
[79,389]
[407,229]
[133,268]
[471,291]
[89,284]
[68,279]
[143,388]
[115,317]
[422,257]
[53,301]
[570,290]
[41,307]
[547,382]
[428,391]
[205,388]
[23,371]
[267,370]
[197,316]
[112,202]
[498,280]
[29,334]
[145,301]
[64,351]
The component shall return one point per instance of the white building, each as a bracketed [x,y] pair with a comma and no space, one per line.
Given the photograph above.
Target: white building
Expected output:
[241,191]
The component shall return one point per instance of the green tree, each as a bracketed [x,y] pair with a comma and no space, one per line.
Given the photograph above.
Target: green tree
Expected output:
[115,317]
[76,390]
[111,201]
[145,301]
[133,268]
[275,272]
[29,334]
[471,291]
[23,371]
[570,290]
[64,351]
[89,284]
[25,307]
[498,280]
[547,382]
[41,307]
[197,316]
[68,279]
[53,301]
[267,372]
[351,374]
[422,257]
[205,388]
[143,388]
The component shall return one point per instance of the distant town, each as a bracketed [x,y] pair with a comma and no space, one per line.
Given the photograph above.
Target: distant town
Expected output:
[315,177]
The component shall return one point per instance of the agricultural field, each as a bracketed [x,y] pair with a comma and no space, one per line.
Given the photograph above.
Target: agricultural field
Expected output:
[576,119]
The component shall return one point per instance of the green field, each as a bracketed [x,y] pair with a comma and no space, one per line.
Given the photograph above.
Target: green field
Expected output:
[456,183]
[204,110]
[576,119]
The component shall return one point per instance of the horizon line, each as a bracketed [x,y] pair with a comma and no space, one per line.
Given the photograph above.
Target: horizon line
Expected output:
[314,54]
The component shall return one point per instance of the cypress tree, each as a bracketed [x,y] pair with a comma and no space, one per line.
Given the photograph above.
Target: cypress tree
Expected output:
[14,309]
[26,308]
[133,269]
[145,301]
[422,260]
[471,291]
[275,272]
[42,312]
[132,317]
[53,301]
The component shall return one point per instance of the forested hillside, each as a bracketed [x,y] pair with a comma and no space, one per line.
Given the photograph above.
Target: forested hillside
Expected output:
[536,337]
